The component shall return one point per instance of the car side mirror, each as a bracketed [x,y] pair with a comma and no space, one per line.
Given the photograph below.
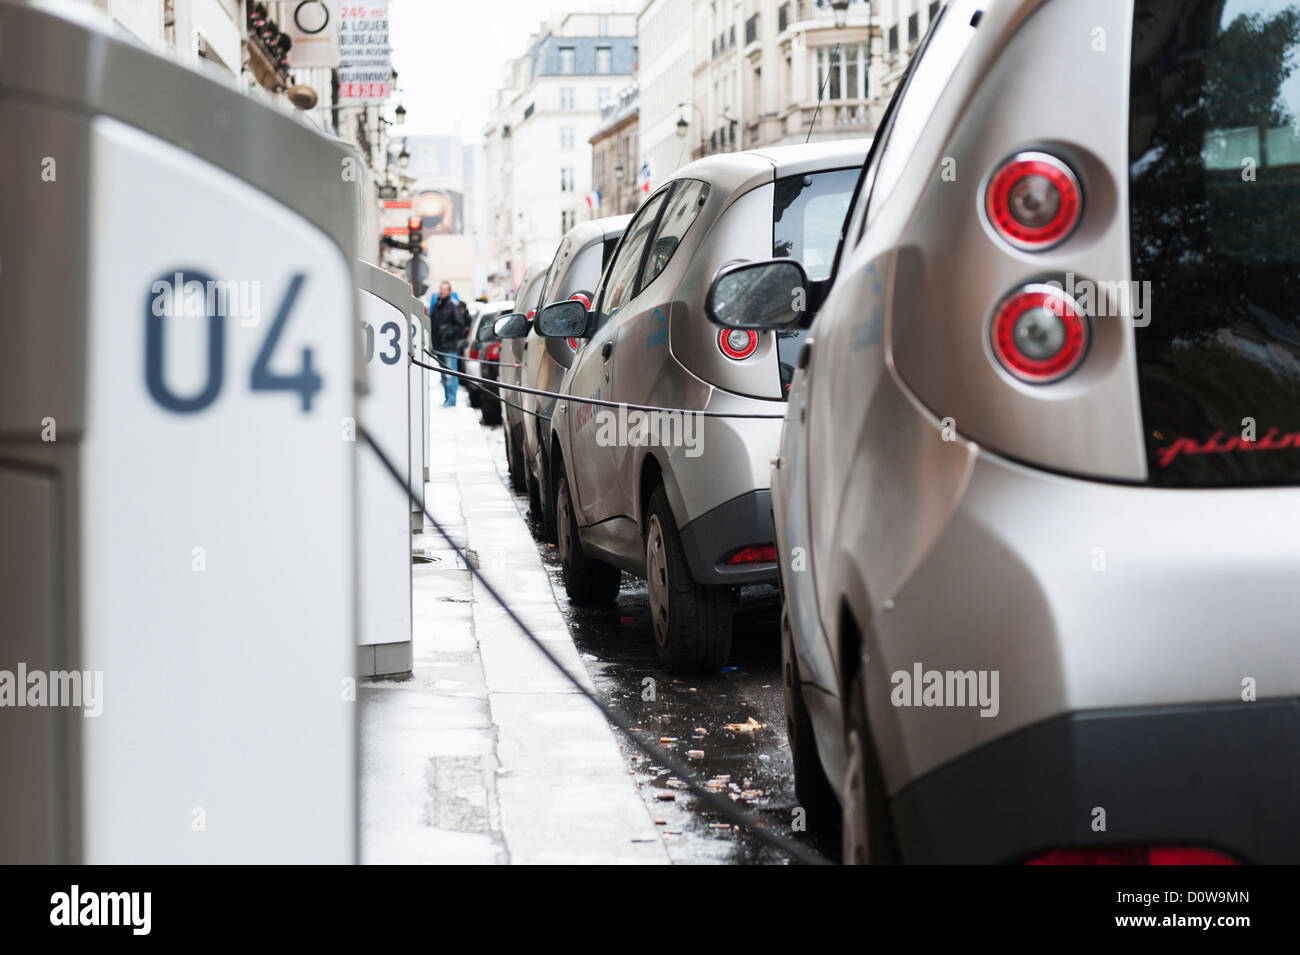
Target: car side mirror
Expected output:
[759,295]
[485,332]
[514,325]
[568,319]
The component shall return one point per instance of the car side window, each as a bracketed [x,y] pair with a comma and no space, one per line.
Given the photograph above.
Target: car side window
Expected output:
[620,284]
[553,273]
[682,209]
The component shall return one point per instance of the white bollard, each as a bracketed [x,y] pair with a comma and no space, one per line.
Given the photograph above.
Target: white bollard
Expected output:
[177,457]
[419,404]
[384,643]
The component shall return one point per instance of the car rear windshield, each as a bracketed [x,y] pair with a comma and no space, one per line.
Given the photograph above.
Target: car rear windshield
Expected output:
[807,216]
[1214,173]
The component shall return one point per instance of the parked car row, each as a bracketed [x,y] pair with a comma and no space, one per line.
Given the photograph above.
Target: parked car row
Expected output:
[1036,606]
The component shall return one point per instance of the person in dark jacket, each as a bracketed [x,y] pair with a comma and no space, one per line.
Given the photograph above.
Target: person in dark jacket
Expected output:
[448,326]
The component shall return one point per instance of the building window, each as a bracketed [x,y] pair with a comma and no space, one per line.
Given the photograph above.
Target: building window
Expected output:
[751,29]
[893,38]
[934,10]
[566,97]
[842,76]
[566,137]
[566,179]
[568,59]
[567,220]
[783,17]
[602,96]
[913,29]
[731,35]
[602,26]
[604,59]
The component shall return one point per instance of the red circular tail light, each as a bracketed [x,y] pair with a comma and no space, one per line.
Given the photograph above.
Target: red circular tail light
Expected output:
[1038,334]
[737,343]
[586,303]
[1034,201]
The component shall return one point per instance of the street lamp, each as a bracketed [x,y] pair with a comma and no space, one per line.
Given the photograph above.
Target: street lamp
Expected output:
[404,158]
[841,9]
[682,126]
[400,113]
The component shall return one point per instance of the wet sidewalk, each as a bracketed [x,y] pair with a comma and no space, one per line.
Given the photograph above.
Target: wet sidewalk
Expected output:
[487,754]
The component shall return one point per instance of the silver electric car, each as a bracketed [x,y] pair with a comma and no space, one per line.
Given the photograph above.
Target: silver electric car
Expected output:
[483,343]
[574,274]
[1036,499]
[670,495]
[512,356]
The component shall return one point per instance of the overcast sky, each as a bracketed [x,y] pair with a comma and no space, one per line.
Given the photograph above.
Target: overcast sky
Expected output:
[450,56]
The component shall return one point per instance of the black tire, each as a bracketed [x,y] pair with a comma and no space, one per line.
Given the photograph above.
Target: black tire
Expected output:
[491,407]
[515,460]
[587,581]
[534,503]
[692,622]
[546,501]
[474,400]
[811,787]
[867,829]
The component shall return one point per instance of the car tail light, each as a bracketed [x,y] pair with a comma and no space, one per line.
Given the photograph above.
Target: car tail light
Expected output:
[765,554]
[1038,334]
[473,354]
[737,343]
[493,352]
[1034,201]
[1134,855]
[586,303]
[531,313]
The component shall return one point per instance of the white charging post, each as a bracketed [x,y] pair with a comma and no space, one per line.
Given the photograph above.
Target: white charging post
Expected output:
[418,331]
[177,459]
[384,643]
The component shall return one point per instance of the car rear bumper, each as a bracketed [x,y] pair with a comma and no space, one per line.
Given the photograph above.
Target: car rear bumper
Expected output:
[714,536]
[1222,776]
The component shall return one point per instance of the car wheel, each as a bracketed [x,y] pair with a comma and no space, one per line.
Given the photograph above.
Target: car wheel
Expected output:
[546,502]
[491,410]
[867,829]
[587,581]
[692,622]
[474,399]
[515,463]
[811,787]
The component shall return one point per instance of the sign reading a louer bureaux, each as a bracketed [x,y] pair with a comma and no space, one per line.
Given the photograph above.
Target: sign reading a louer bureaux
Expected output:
[365,60]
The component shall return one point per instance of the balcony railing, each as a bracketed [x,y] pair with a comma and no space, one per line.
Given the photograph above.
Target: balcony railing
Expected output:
[837,116]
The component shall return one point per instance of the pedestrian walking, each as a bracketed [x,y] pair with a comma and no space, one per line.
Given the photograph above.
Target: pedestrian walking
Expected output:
[449,324]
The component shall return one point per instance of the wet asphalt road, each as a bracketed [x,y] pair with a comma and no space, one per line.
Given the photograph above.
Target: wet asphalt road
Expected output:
[729,726]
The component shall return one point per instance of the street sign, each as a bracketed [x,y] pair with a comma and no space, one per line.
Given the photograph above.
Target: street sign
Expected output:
[313,25]
[365,60]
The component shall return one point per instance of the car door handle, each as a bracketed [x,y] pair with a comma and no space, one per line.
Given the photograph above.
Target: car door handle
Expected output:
[605,349]
[804,354]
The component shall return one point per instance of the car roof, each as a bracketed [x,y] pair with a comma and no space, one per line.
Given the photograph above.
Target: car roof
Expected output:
[584,233]
[734,171]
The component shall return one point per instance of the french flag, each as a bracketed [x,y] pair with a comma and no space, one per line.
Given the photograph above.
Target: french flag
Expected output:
[593,200]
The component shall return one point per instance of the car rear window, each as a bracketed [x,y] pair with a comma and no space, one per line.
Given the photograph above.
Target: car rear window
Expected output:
[807,218]
[1214,178]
